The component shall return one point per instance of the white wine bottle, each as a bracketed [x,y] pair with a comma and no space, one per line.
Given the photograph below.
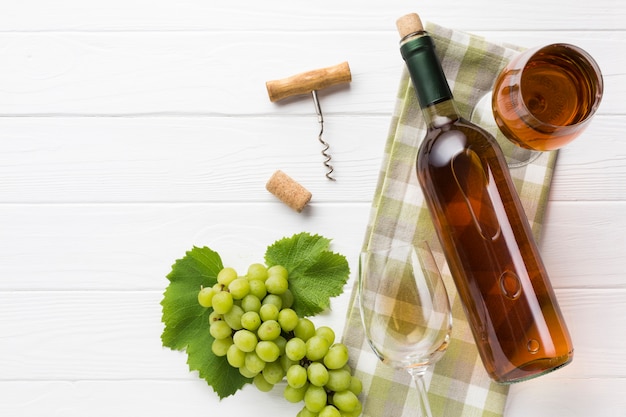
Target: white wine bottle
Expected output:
[503,285]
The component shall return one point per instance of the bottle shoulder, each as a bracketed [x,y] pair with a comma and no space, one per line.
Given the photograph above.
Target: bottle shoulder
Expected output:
[443,143]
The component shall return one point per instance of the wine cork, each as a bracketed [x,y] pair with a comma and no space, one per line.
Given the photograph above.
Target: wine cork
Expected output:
[288,190]
[408,24]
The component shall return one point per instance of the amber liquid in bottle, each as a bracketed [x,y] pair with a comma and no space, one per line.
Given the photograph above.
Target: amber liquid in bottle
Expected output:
[555,88]
[497,269]
[501,280]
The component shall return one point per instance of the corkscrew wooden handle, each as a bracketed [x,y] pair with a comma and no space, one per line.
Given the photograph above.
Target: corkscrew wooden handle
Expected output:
[309,81]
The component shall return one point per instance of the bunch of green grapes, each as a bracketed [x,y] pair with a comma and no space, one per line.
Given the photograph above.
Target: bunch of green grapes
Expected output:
[257,331]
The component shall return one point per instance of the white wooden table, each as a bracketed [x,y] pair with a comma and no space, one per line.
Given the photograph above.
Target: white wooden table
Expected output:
[132,130]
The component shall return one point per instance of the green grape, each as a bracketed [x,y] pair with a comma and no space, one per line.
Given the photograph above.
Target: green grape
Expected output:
[251,303]
[220,330]
[268,312]
[222,302]
[297,376]
[304,329]
[257,272]
[329,411]
[357,410]
[261,383]
[345,401]
[327,333]
[267,351]
[233,317]
[247,373]
[287,298]
[295,395]
[286,363]
[295,349]
[245,340]
[281,342]
[316,348]
[235,356]
[337,356]
[205,296]
[318,374]
[268,330]
[220,346]
[276,284]
[315,398]
[273,299]
[254,363]
[213,317]
[288,319]
[356,386]
[305,412]
[338,380]
[239,288]
[226,276]
[247,323]
[273,372]
[257,288]
[250,320]
[278,270]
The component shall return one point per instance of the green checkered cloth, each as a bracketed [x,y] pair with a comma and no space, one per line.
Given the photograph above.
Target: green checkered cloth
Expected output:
[457,385]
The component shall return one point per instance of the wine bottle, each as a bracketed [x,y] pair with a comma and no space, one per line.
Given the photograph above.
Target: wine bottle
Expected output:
[501,280]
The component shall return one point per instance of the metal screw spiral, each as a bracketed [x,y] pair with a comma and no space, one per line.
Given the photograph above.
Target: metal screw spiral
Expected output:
[320,119]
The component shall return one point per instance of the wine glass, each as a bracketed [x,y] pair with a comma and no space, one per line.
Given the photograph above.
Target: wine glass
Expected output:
[405,310]
[542,100]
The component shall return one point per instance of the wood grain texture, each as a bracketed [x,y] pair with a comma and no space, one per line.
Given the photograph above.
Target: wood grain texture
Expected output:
[184,159]
[65,335]
[271,15]
[132,130]
[212,73]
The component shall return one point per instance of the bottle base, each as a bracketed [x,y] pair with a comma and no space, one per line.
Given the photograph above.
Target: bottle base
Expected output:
[533,370]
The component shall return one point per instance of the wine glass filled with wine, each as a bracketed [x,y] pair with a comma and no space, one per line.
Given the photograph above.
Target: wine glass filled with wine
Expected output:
[542,100]
[405,310]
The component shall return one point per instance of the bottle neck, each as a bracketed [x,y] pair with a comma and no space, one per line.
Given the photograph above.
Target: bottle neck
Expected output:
[433,93]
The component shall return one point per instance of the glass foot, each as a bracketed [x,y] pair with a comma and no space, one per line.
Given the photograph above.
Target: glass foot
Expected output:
[516,156]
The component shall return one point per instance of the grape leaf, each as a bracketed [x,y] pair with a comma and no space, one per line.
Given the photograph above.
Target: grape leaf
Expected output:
[186,322]
[315,273]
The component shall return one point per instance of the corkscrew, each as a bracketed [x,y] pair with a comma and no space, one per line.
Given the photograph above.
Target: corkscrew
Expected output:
[311,82]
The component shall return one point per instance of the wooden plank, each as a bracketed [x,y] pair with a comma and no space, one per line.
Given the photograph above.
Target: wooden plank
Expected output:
[132,246]
[163,159]
[96,335]
[159,398]
[560,397]
[554,396]
[104,335]
[579,242]
[210,73]
[196,15]
[590,167]
[185,159]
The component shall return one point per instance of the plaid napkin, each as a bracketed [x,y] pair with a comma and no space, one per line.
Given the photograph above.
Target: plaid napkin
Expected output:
[457,385]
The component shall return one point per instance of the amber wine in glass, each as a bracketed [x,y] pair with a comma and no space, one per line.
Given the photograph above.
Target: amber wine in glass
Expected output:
[546,96]
[542,100]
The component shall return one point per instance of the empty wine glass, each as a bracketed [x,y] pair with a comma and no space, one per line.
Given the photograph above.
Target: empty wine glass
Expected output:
[542,100]
[405,310]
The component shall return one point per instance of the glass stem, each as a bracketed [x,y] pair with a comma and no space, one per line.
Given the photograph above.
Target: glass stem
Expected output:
[424,404]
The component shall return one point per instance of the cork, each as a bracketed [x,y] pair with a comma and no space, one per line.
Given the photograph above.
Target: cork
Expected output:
[408,24]
[288,190]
